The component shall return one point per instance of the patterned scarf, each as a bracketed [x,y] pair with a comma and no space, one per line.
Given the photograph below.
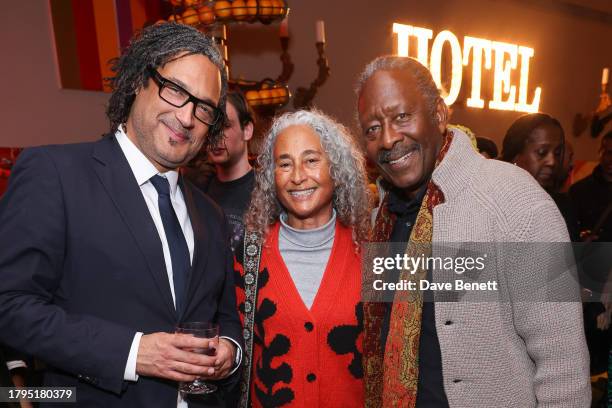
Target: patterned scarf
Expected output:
[391,377]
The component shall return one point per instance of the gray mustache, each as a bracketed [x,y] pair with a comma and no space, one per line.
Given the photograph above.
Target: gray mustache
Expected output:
[395,153]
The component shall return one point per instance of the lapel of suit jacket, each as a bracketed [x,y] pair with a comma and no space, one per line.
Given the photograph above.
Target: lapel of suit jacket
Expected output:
[117,178]
[201,243]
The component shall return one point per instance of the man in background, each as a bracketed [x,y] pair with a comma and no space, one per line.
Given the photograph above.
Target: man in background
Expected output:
[234,178]
[487,147]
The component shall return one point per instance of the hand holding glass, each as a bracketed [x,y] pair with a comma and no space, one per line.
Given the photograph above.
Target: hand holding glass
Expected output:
[202,330]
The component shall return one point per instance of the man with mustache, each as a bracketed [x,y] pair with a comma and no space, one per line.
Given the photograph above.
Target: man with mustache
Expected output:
[438,189]
[234,178]
[105,249]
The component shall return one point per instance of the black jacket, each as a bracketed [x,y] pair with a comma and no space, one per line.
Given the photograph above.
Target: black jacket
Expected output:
[82,270]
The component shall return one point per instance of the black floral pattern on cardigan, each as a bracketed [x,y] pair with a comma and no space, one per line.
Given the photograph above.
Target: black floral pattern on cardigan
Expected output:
[343,340]
[277,347]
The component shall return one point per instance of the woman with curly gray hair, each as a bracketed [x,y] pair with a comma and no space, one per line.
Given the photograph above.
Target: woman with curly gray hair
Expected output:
[300,270]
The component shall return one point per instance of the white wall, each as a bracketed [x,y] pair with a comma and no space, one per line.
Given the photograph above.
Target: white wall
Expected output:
[33,108]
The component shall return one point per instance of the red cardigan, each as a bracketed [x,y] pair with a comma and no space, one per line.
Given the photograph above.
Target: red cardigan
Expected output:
[307,358]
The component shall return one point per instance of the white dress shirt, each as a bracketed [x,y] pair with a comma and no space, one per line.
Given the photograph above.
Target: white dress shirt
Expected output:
[143,170]
[13,364]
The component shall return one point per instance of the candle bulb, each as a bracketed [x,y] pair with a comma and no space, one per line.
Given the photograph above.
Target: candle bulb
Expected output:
[320,28]
[284,28]
[604,76]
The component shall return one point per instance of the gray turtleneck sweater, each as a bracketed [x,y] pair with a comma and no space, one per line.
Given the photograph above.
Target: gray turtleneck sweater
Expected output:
[306,252]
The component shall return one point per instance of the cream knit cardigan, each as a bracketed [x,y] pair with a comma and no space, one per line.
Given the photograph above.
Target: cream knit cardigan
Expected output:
[506,353]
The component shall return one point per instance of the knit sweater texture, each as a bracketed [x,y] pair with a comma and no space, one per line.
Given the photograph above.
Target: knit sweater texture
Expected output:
[307,357]
[500,353]
[306,252]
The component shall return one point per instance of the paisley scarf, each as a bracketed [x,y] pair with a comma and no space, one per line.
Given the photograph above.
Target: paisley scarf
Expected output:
[391,375]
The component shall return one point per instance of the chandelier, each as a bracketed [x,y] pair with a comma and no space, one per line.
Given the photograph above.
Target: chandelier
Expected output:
[214,16]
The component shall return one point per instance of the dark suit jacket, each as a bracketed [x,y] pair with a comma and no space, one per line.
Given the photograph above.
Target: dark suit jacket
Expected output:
[5,377]
[82,270]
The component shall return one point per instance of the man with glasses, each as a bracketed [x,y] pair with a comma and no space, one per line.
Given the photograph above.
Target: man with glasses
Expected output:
[105,249]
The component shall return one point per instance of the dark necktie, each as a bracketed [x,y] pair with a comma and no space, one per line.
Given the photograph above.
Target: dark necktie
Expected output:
[179,252]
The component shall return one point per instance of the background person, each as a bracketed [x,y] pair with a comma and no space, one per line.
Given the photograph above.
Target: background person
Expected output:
[487,147]
[592,199]
[233,181]
[535,143]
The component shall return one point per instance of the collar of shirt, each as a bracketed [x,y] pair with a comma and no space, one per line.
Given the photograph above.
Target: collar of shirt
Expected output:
[401,206]
[142,167]
[309,238]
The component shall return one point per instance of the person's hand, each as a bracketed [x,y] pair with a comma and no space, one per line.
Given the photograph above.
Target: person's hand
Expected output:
[167,356]
[603,319]
[606,296]
[225,358]
[25,404]
[19,382]
[588,236]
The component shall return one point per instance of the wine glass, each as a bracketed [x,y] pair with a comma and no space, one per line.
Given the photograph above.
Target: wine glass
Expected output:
[204,330]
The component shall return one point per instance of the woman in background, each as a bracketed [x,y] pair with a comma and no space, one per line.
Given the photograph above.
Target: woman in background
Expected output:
[536,143]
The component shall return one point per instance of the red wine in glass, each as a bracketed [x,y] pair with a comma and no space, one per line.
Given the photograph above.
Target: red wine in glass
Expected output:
[204,330]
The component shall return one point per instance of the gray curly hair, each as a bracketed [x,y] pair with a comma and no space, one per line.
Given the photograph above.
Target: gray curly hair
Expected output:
[351,194]
[419,72]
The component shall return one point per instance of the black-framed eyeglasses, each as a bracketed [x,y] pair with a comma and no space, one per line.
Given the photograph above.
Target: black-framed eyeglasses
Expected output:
[177,96]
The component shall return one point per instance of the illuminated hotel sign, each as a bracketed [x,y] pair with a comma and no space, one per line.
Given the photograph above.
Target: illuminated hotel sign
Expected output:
[505,56]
